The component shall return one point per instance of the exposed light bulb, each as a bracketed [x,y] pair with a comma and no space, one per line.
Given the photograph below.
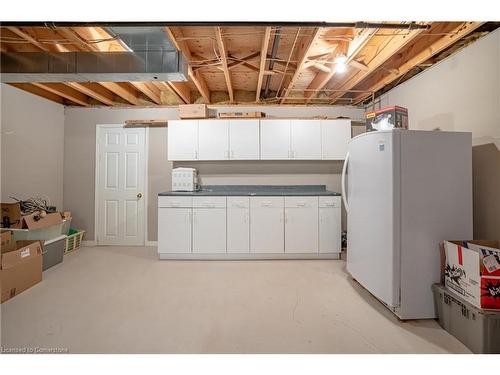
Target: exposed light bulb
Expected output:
[340,63]
[340,67]
[340,59]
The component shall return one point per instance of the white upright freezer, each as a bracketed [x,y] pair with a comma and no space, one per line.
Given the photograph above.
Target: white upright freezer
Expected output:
[406,192]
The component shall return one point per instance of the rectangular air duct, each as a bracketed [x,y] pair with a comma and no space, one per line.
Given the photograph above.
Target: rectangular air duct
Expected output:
[151,56]
[92,66]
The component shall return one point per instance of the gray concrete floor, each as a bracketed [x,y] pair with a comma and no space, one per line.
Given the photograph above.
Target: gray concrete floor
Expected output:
[124,300]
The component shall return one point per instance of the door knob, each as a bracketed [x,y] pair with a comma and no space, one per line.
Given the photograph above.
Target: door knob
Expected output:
[139,195]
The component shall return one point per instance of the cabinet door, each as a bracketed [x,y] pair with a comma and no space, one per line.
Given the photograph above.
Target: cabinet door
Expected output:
[301,225]
[182,140]
[335,136]
[329,230]
[238,230]
[209,230]
[267,225]
[244,139]
[174,230]
[275,139]
[213,139]
[305,139]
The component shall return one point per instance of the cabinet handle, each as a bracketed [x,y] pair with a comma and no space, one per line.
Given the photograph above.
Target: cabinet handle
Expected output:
[196,154]
[293,154]
[232,154]
[194,217]
[246,218]
[301,204]
[286,217]
[289,154]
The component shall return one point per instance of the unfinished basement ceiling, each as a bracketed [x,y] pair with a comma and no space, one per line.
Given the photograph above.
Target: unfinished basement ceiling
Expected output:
[267,64]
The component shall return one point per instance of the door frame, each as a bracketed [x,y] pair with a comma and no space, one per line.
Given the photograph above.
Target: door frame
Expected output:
[96,179]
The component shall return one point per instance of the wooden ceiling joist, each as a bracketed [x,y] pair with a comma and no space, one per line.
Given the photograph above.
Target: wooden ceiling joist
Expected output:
[262,66]
[393,45]
[235,60]
[38,91]
[223,58]
[122,90]
[305,46]
[94,90]
[196,77]
[148,89]
[436,47]
[23,34]
[322,78]
[64,91]
[182,90]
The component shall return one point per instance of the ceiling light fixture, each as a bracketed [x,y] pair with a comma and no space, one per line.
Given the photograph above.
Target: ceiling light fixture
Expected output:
[340,63]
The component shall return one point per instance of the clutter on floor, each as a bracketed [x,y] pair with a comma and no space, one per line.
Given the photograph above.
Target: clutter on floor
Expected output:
[35,237]
[468,299]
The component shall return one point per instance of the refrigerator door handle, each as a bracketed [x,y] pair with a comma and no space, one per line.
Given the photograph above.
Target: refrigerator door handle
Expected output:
[344,195]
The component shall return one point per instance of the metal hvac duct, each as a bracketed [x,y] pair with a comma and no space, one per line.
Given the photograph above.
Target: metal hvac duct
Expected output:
[151,56]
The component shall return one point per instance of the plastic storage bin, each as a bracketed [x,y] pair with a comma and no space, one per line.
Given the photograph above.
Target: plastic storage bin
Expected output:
[53,251]
[74,240]
[477,329]
[42,234]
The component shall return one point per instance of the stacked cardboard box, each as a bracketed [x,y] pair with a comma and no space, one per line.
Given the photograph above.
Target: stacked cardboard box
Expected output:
[20,265]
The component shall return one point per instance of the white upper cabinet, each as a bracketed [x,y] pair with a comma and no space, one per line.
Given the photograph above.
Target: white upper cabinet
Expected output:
[275,139]
[305,139]
[253,139]
[335,136]
[244,139]
[183,140]
[213,139]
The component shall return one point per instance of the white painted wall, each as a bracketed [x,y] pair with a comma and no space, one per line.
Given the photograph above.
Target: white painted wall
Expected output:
[460,93]
[79,162]
[32,139]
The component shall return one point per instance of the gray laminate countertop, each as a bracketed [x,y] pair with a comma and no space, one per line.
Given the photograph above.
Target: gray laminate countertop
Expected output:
[256,190]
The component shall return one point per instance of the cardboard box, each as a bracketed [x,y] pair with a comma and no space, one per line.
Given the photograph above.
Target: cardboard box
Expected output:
[20,265]
[193,111]
[387,118]
[31,222]
[241,114]
[472,271]
[11,215]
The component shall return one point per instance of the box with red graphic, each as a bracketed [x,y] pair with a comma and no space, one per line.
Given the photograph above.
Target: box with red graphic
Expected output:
[472,271]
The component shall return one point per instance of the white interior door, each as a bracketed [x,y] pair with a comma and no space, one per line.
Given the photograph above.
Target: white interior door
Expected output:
[120,186]
[305,139]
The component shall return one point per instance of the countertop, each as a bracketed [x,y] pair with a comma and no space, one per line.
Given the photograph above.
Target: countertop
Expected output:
[256,190]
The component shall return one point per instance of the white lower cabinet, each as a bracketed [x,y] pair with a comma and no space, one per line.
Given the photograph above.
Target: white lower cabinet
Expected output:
[225,226]
[266,226]
[209,230]
[301,225]
[329,225]
[238,225]
[209,225]
[174,230]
